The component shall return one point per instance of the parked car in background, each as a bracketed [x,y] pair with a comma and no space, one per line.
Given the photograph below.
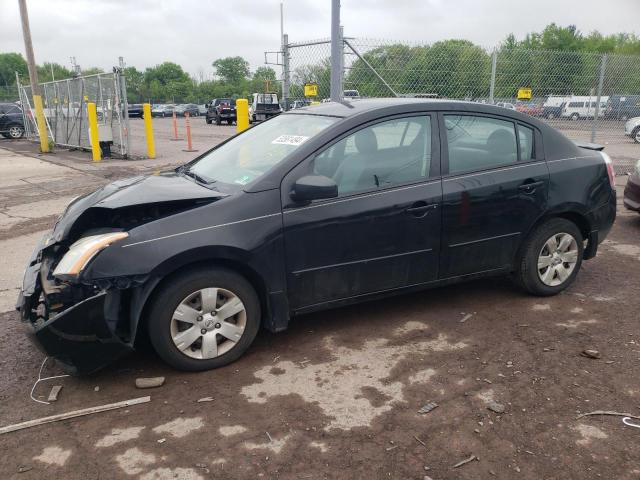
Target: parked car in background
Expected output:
[583,107]
[631,197]
[225,112]
[190,108]
[202,110]
[351,94]
[632,129]
[531,108]
[264,106]
[11,121]
[212,108]
[622,107]
[552,106]
[135,110]
[507,105]
[162,110]
[316,208]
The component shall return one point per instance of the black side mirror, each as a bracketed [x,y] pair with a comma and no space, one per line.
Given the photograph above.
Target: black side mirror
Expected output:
[313,187]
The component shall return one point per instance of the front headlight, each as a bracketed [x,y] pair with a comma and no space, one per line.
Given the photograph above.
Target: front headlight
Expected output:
[82,251]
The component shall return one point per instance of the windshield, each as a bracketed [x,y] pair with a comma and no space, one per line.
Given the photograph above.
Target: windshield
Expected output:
[267,98]
[245,158]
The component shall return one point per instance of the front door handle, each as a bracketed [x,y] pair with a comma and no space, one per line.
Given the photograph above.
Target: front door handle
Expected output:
[421,209]
[530,187]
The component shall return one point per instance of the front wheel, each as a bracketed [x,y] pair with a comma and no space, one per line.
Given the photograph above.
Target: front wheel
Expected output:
[551,258]
[204,319]
[15,132]
[636,135]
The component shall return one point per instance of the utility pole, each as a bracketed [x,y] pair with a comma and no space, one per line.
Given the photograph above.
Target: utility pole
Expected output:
[336,52]
[28,46]
[33,77]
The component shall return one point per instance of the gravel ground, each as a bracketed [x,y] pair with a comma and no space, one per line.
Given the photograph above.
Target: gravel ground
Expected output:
[337,395]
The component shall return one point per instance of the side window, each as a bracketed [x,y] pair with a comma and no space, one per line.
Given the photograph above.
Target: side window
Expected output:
[527,143]
[476,143]
[382,155]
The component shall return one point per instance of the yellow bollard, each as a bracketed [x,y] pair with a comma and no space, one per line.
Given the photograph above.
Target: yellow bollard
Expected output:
[93,132]
[242,114]
[42,124]
[148,130]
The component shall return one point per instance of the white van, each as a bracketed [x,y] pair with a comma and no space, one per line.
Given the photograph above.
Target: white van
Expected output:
[583,107]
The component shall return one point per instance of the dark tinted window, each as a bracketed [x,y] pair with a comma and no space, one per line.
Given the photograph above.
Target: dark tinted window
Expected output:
[527,143]
[475,143]
[382,155]
[576,104]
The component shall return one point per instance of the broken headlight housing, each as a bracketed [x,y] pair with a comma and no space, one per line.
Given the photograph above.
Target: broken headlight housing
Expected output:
[81,253]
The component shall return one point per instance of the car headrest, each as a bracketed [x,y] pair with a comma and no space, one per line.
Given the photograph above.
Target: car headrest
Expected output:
[366,141]
[501,142]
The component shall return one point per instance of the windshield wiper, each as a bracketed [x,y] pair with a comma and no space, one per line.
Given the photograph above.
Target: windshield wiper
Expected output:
[196,177]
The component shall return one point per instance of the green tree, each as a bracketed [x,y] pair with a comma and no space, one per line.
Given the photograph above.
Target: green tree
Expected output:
[10,63]
[264,79]
[49,71]
[231,70]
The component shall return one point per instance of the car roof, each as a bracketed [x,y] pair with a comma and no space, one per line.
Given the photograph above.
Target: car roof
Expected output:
[349,108]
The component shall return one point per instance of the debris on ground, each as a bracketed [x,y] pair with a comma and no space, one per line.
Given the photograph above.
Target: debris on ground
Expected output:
[73,414]
[465,461]
[53,394]
[607,412]
[496,407]
[466,317]
[420,441]
[205,399]
[96,389]
[23,469]
[590,353]
[162,440]
[428,408]
[151,382]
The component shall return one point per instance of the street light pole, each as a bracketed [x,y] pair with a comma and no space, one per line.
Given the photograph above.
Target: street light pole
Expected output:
[336,53]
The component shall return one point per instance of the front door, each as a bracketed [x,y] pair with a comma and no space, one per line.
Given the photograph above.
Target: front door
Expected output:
[495,189]
[383,230]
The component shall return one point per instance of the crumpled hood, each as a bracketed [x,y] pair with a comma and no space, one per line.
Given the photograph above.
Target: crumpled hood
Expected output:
[164,188]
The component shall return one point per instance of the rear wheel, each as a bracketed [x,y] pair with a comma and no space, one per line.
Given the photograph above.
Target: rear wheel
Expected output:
[551,258]
[208,120]
[636,135]
[218,120]
[204,319]
[229,122]
[575,116]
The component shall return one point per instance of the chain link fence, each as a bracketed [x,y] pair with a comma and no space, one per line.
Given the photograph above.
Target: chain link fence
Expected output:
[65,109]
[587,96]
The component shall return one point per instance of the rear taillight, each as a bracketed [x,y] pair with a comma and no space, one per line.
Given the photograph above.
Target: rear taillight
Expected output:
[610,171]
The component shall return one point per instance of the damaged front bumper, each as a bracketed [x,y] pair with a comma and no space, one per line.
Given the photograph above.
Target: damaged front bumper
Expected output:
[82,337]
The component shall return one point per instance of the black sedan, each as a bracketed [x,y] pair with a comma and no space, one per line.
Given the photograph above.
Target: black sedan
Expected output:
[11,121]
[319,207]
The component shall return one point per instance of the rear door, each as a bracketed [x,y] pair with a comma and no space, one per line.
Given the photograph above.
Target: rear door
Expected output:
[383,230]
[495,186]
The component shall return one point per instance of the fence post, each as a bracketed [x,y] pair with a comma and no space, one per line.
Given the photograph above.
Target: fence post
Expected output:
[93,132]
[148,130]
[492,85]
[596,114]
[336,56]
[124,101]
[286,81]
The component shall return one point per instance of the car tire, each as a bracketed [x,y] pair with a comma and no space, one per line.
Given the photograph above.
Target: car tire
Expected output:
[552,279]
[162,324]
[229,122]
[208,120]
[218,121]
[574,117]
[636,135]
[15,132]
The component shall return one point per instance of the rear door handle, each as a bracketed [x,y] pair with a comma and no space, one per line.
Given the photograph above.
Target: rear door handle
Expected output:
[421,209]
[530,187]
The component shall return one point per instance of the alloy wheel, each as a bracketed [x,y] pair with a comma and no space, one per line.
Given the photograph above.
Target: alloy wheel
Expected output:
[557,259]
[208,323]
[15,132]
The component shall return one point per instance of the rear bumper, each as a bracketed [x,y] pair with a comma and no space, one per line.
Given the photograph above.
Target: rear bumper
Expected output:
[82,337]
[631,198]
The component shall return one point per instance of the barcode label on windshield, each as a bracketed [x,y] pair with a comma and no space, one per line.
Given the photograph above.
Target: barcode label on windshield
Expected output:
[290,140]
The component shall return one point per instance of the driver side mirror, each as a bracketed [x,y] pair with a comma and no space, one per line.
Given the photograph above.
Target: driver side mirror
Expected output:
[313,187]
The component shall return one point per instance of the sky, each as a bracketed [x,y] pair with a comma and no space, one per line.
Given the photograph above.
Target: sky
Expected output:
[193,33]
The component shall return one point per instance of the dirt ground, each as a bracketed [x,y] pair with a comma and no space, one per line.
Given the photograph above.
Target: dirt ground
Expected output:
[337,395]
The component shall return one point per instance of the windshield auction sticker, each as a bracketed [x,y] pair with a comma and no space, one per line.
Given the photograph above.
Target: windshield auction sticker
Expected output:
[294,140]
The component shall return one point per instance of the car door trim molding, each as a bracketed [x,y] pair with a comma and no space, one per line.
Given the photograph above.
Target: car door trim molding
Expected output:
[201,229]
[462,244]
[357,197]
[366,260]
[491,170]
